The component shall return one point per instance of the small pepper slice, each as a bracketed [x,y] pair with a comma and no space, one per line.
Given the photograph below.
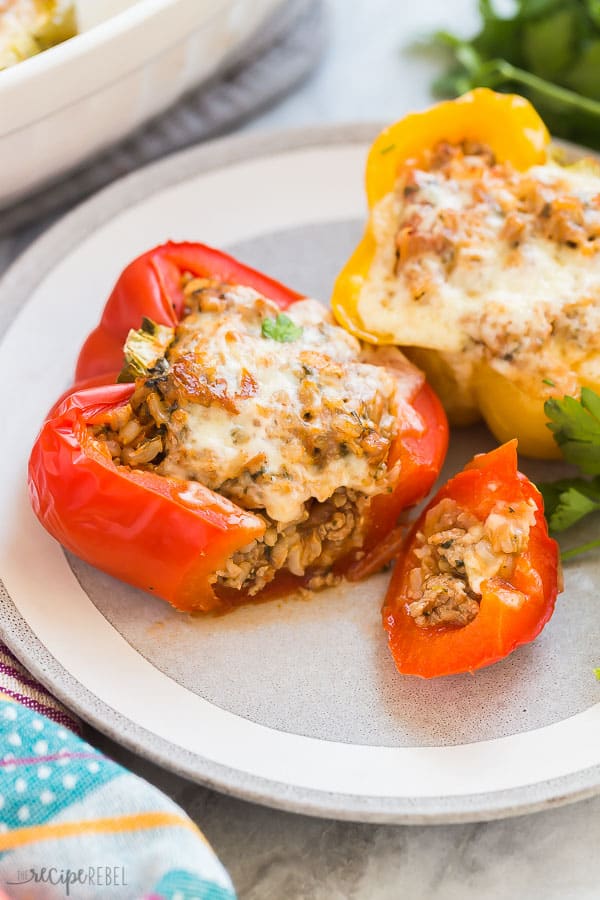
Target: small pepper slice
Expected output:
[164,535]
[513,608]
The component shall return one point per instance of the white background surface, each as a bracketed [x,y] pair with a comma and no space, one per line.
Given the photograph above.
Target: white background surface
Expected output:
[367,75]
[273,855]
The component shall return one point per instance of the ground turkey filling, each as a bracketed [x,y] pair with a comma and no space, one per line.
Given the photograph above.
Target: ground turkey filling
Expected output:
[458,552]
[282,418]
[506,260]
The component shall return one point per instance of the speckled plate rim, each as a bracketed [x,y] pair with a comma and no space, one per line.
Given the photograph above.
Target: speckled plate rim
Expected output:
[15,287]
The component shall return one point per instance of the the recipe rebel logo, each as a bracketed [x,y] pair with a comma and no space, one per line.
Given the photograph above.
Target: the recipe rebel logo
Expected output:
[90,876]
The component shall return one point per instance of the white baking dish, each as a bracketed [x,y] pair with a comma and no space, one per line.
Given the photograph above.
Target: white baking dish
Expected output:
[128,63]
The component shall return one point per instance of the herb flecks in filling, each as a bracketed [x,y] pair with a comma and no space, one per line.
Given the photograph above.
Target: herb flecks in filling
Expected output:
[458,553]
[296,428]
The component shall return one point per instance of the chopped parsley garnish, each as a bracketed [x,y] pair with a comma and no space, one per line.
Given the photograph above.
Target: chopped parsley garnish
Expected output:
[281,329]
[575,425]
[576,428]
[569,500]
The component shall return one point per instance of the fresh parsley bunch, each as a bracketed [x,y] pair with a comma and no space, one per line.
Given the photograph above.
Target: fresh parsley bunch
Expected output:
[576,428]
[548,50]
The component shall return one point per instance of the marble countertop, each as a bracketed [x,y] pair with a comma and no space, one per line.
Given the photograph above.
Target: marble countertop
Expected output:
[273,855]
[369,74]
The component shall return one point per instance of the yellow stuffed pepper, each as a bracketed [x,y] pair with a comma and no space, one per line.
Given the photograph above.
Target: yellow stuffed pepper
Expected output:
[481,257]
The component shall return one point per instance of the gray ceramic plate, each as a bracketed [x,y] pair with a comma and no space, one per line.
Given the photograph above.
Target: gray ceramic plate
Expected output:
[295,704]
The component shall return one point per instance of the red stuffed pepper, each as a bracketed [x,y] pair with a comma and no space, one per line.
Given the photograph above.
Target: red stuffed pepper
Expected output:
[252,448]
[479,575]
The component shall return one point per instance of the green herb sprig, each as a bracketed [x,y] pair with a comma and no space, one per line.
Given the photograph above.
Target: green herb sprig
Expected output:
[575,425]
[549,50]
[281,329]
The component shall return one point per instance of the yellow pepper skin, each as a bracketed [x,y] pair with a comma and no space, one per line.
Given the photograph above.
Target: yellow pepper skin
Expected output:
[517,407]
[506,405]
[459,397]
[505,122]
[510,126]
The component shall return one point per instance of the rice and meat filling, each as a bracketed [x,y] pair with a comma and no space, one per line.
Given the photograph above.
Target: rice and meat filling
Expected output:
[480,261]
[458,552]
[275,412]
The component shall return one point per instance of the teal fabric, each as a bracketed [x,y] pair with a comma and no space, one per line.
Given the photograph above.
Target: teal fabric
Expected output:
[180,885]
[72,818]
[46,767]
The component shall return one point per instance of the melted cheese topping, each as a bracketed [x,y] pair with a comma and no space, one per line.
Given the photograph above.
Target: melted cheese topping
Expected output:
[475,258]
[273,424]
[459,555]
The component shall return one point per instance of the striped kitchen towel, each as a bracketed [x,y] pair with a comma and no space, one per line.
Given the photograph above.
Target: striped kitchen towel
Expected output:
[75,824]
[17,683]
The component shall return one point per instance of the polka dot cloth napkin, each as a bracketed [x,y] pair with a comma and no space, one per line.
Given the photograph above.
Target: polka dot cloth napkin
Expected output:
[75,824]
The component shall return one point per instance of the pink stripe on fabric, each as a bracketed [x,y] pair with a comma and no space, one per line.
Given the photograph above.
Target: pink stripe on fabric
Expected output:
[38,703]
[4,649]
[30,693]
[50,712]
[34,760]
[5,669]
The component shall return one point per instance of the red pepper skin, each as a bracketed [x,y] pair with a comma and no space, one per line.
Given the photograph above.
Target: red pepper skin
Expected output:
[421,452]
[133,523]
[498,628]
[163,535]
[151,286]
